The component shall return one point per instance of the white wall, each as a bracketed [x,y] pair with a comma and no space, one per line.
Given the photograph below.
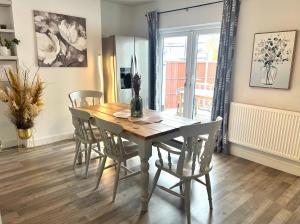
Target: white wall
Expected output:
[264,16]
[270,15]
[55,121]
[117,19]
[195,16]
[130,20]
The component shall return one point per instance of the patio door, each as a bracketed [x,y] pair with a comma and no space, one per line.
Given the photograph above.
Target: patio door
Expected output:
[173,69]
[187,68]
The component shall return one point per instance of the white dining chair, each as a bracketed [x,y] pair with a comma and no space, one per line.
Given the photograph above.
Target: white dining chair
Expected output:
[117,149]
[82,98]
[86,135]
[190,162]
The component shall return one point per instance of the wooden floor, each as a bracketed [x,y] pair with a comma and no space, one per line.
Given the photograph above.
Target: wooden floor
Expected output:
[39,186]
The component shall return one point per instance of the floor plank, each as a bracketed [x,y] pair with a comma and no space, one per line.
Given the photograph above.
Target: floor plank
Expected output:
[39,186]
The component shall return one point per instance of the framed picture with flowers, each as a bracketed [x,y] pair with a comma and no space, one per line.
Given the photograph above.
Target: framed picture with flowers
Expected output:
[61,40]
[272,59]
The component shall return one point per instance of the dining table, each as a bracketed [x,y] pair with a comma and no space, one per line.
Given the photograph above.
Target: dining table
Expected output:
[152,127]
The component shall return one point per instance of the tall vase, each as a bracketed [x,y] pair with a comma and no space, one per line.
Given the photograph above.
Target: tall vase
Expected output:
[269,74]
[136,106]
[24,136]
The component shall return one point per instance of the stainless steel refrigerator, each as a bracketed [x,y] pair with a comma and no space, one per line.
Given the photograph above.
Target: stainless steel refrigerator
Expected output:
[117,55]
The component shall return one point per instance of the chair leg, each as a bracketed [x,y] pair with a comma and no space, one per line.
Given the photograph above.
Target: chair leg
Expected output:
[100,152]
[155,180]
[181,188]
[187,200]
[116,181]
[76,153]
[80,153]
[101,169]
[208,188]
[98,146]
[85,152]
[116,164]
[88,158]
[85,155]
[125,164]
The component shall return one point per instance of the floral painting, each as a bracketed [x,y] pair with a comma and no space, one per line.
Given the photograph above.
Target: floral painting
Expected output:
[60,40]
[272,59]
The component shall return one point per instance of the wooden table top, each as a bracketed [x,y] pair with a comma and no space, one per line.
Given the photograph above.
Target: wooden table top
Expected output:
[170,123]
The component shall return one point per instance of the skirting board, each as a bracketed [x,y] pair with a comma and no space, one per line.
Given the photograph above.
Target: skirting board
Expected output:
[265,159]
[38,141]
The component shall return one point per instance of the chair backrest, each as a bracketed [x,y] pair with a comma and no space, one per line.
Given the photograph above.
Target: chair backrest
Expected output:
[82,123]
[85,98]
[110,134]
[195,150]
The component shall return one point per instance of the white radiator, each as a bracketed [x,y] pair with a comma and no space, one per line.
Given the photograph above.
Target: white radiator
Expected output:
[265,129]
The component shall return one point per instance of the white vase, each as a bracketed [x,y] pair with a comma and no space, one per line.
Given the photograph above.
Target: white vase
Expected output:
[4,51]
[268,75]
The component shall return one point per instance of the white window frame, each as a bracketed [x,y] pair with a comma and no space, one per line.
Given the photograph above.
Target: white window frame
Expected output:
[192,33]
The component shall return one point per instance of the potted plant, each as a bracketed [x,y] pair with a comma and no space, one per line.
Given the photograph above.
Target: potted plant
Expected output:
[24,100]
[7,45]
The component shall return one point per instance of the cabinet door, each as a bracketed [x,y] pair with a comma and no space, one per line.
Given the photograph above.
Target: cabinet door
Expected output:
[124,53]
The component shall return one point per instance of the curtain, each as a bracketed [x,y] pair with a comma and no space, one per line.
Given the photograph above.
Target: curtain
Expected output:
[221,100]
[153,26]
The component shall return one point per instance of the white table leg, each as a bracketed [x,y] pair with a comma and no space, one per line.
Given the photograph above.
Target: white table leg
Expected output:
[145,154]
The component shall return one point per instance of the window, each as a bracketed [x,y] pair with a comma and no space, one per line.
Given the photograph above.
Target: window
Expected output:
[188,61]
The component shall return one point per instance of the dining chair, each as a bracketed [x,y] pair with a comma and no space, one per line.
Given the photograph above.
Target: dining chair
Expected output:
[190,162]
[117,149]
[82,98]
[85,134]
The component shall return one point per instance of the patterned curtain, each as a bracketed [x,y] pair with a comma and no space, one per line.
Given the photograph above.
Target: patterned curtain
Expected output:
[221,100]
[153,26]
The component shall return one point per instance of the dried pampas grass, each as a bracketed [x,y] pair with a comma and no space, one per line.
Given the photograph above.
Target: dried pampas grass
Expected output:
[23,98]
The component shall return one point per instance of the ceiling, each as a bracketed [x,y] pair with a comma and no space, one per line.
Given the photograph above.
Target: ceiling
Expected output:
[131,2]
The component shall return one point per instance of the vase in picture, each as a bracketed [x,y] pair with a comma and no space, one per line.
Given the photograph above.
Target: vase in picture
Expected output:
[269,74]
[136,104]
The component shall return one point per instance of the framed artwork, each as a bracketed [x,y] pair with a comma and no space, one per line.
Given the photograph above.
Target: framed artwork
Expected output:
[61,40]
[272,59]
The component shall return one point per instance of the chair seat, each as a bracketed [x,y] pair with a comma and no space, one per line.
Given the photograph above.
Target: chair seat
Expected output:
[90,139]
[131,149]
[179,140]
[96,133]
[187,168]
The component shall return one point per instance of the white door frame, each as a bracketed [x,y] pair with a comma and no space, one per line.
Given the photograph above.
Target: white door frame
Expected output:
[192,33]
[160,78]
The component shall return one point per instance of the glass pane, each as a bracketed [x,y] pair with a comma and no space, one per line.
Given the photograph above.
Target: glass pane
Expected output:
[174,74]
[207,57]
